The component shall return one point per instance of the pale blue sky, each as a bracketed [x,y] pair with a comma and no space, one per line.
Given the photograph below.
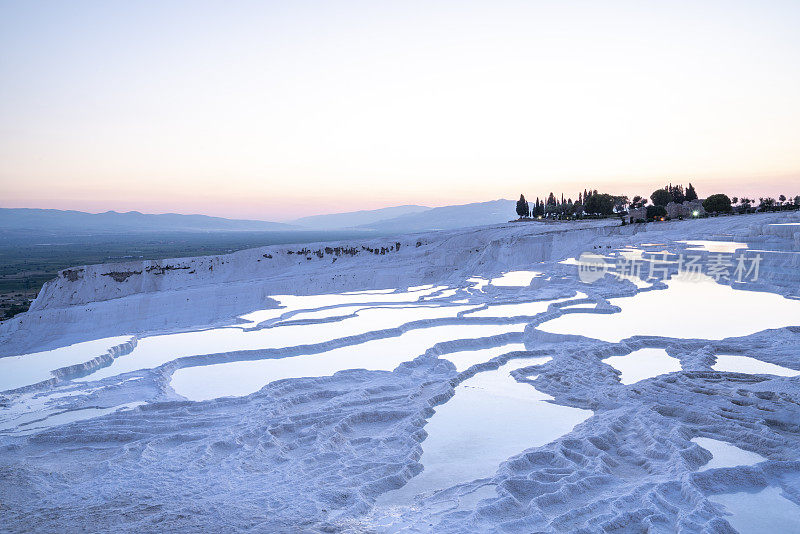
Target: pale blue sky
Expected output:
[279,109]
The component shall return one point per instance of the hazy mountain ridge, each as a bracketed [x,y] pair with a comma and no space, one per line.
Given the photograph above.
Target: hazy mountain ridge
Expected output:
[394,219]
[449,217]
[358,218]
[131,221]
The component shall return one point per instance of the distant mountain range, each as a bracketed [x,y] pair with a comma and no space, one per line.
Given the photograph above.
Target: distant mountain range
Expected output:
[449,217]
[397,219]
[131,221]
[357,218]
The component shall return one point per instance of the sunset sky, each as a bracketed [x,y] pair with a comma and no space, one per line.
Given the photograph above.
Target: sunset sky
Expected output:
[275,110]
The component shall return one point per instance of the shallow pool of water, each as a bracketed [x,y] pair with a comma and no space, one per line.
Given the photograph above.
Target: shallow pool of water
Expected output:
[245,377]
[642,364]
[465,359]
[726,454]
[491,418]
[423,287]
[530,308]
[635,280]
[765,511]
[515,279]
[686,309]
[289,303]
[27,369]
[369,292]
[725,247]
[445,294]
[340,311]
[71,416]
[729,363]
[157,350]
[478,283]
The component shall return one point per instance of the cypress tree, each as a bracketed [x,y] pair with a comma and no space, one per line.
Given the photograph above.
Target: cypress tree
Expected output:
[522,206]
[691,194]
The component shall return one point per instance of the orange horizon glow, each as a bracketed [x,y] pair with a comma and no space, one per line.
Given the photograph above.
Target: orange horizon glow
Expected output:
[293,208]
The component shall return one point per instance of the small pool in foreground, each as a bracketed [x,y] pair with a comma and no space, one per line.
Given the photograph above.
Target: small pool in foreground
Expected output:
[642,364]
[762,512]
[729,363]
[491,418]
[726,454]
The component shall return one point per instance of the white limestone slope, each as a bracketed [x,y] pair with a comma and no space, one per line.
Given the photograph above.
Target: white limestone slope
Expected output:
[148,296]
